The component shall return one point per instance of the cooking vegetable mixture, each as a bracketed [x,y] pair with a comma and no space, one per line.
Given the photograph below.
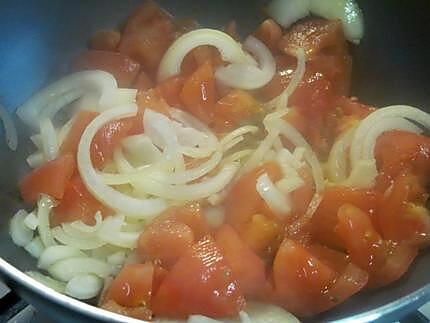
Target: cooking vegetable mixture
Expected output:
[205,175]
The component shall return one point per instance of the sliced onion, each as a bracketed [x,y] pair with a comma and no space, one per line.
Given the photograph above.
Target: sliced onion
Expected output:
[346,11]
[281,102]
[229,49]
[44,206]
[285,157]
[188,120]
[91,101]
[287,12]
[337,163]
[363,174]
[245,76]
[214,215]
[239,132]
[110,231]
[47,102]
[387,124]
[47,281]
[201,319]
[194,191]
[141,149]
[64,131]
[48,137]
[277,202]
[35,160]
[21,235]
[11,134]
[66,269]
[35,247]
[401,111]
[78,242]
[81,226]
[94,183]
[31,221]
[84,286]
[237,156]
[268,313]
[289,184]
[117,258]
[294,136]
[53,254]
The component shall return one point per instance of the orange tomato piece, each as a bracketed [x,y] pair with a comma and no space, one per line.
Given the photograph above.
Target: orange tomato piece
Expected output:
[143,82]
[170,89]
[234,108]
[77,204]
[200,282]
[326,217]
[148,33]
[166,240]
[51,178]
[270,33]
[105,40]
[247,267]
[122,67]
[199,94]
[132,287]
[82,120]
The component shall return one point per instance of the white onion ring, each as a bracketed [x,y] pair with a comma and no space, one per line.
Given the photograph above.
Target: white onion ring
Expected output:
[47,102]
[245,76]
[53,254]
[337,163]
[94,183]
[229,49]
[84,286]
[48,137]
[279,203]
[66,269]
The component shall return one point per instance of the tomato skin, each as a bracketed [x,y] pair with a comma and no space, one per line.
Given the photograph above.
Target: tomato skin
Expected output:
[82,120]
[246,266]
[199,94]
[200,282]
[233,108]
[170,90]
[51,178]
[147,35]
[269,32]
[166,240]
[325,218]
[105,40]
[77,204]
[132,287]
[122,67]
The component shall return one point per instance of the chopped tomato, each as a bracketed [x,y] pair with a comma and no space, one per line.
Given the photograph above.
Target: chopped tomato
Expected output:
[231,30]
[384,260]
[325,218]
[247,267]
[269,32]
[199,56]
[108,138]
[200,282]
[170,90]
[352,107]
[336,260]
[166,240]
[399,218]
[198,94]
[132,287]
[77,204]
[190,214]
[143,82]
[51,178]
[302,196]
[234,108]
[122,67]
[243,201]
[105,40]
[82,120]
[314,36]
[147,35]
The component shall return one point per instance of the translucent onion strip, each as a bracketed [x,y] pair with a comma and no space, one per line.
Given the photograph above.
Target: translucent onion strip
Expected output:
[44,206]
[365,126]
[35,160]
[47,102]
[337,163]
[20,233]
[47,281]
[84,286]
[94,182]
[66,269]
[35,247]
[11,134]
[48,136]
[245,76]
[76,241]
[277,202]
[230,50]
[53,254]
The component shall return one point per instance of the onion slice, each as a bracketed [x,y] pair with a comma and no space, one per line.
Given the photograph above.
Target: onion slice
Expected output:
[287,12]
[47,102]
[246,76]
[93,181]
[230,50]
[277,202]
[9,129]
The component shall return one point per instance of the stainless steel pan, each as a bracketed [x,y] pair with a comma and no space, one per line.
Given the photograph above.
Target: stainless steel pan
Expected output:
[37,38]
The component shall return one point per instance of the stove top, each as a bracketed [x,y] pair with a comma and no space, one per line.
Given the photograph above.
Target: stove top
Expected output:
[15,310]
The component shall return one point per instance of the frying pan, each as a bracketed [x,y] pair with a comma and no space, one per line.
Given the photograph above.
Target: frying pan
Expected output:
[38,38]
